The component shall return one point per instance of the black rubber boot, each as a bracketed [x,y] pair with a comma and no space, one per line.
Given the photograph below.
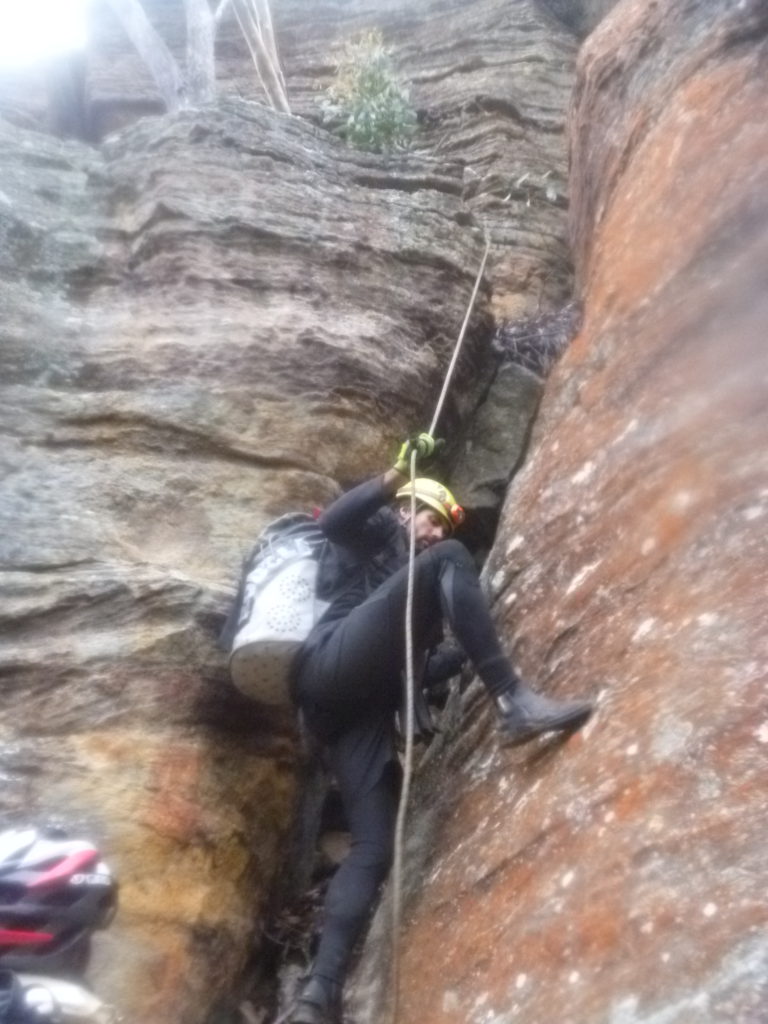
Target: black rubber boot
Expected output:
[319,1003]
[524,715]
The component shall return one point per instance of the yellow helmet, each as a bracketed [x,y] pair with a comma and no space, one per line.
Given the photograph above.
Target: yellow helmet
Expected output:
[430,492]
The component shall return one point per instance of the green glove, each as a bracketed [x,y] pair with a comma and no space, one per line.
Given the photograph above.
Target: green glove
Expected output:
[425,447]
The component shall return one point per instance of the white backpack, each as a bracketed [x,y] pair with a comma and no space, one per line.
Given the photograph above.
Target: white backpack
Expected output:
[277,607]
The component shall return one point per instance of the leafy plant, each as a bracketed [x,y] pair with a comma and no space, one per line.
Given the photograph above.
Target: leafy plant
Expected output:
[366,104]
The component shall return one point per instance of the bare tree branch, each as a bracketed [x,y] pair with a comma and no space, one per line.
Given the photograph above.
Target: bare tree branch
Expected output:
[199,85]
[255,22]
[152,50]
[201,64]
[264,15]
[220,10]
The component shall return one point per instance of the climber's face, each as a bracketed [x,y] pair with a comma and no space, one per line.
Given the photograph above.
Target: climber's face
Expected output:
[428,528]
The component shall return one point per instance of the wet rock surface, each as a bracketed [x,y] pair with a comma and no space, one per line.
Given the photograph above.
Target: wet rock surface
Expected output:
[620,876]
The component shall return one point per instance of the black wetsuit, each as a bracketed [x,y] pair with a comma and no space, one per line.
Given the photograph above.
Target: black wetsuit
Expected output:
[347,680]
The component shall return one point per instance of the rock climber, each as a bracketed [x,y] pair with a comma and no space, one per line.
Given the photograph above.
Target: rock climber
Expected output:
[347,680]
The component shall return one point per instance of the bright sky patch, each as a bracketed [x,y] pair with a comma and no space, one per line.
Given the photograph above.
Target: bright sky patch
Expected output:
[32,30]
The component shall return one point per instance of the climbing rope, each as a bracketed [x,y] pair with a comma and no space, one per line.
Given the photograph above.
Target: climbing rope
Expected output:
[462,332]
[397,867]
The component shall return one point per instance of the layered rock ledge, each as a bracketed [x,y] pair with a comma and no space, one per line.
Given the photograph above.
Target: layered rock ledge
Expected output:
[211,320]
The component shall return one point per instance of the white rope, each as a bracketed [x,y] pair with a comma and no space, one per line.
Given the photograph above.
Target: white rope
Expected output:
[397,867]
[410,686]
[454,358]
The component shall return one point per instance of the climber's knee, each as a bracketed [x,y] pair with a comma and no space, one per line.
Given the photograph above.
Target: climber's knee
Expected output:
[450,550]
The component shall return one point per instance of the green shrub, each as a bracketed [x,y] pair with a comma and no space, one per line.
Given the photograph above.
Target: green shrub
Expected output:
[366,104]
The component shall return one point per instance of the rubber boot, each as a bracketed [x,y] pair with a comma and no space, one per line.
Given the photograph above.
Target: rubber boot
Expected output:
[319,1003]
[524,715]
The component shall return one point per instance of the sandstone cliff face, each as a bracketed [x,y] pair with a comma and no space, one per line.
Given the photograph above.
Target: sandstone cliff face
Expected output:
[620,877]
[490,80]
[207,322]
[199,315]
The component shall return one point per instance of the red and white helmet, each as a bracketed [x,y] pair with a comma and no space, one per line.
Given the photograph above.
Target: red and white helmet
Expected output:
[53,892]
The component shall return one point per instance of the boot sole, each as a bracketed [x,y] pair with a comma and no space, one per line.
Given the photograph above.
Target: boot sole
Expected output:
[567,723]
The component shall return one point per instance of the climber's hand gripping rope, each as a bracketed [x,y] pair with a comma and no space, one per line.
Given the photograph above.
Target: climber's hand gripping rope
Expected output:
[423,445]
